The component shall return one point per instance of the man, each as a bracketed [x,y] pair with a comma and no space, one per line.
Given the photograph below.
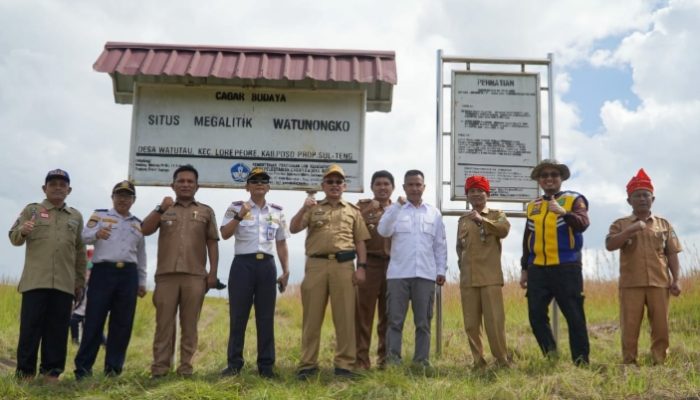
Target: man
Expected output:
[551,261]
[418,262]
[649,251]
[259,227]
[188,235]
[336,235]
[372,293]
[479,235]
[118,276]
[53,275]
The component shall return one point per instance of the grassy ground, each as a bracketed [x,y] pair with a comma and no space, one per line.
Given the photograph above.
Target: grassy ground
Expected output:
[531,377]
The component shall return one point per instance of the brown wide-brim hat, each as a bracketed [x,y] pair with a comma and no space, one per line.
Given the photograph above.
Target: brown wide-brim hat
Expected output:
[550,163]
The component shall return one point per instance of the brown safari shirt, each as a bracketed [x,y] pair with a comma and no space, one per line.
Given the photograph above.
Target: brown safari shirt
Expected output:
[479,248]
[182,242]
[333,228]
[371,215]
[643,258]
[55,256]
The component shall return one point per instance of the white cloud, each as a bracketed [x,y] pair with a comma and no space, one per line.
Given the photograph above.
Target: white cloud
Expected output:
[55,111]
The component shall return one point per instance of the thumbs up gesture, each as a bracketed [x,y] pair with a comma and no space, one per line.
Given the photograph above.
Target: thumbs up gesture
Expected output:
[28,226]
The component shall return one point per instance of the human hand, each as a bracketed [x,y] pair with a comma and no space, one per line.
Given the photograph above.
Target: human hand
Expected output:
[245,209]
[282,281]
[675,289]
[636,227]
[105,232]
[166,203]
[474,216]
[523,279]
[142,291]
[440,280]
[309,202]
[359,277]
[401,200]
[28,226]
[554,207]
[211,281]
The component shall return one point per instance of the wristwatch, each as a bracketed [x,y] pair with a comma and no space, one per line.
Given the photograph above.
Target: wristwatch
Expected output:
[159,209]
[237,217]
[362,265]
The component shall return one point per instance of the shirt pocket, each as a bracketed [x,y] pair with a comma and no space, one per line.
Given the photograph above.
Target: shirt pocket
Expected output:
[659,240]
[320,221]
[427,225]
[42,230]
[403,225]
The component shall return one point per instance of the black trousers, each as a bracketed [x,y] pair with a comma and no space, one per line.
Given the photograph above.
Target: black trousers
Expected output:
[565,285]
[252,282]
[112,291]
[44,319]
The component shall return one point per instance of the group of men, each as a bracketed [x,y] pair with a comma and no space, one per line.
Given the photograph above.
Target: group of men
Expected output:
[374,255]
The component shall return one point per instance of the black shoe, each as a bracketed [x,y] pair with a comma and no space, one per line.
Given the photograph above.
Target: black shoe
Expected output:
[346,373]
[306,374]
[112,373]
[267,373]
[230,371]
[81,374]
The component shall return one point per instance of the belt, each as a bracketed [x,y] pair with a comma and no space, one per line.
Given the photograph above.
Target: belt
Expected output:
[324,256]
[256,256]
[377,256]
[116,264]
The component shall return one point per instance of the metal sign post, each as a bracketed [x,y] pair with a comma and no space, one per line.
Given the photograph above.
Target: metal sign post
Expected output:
[495,130]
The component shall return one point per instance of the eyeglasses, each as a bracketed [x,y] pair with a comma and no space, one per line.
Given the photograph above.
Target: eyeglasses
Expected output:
[333,181]
[546,175]
[259,181]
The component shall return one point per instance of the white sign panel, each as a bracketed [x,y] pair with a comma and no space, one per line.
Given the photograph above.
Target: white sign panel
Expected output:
[226,131]
[495,132]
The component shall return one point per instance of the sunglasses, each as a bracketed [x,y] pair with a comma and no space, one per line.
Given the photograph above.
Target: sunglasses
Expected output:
[546,175]
[333,181]
[259,181]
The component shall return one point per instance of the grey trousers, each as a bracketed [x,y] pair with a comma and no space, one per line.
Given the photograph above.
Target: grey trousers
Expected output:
[421,293]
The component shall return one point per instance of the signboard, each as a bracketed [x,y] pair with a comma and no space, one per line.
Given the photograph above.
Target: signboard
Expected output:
[226,131]
[495,132]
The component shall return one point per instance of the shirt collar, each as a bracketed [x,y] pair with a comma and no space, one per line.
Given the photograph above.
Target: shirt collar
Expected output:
[650,217]
[49,205]
[114,213]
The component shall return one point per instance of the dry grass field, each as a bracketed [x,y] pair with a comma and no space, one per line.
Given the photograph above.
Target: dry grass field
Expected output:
[531,376]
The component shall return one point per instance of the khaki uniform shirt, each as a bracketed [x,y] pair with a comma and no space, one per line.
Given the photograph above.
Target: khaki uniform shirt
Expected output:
[333,228]
[182,242]
[643,258]
[479,248]
[371,215]
[55,256]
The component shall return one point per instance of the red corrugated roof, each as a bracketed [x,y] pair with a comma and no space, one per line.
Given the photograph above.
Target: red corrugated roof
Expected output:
[127,63]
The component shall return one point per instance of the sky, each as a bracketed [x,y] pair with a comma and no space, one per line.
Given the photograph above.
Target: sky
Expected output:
[625,97]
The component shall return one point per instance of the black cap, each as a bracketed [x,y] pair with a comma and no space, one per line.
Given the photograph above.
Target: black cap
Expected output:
[124,186]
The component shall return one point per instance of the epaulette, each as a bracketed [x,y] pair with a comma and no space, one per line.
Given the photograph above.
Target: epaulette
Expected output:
[365,200]
[354,206]
[275,206]
[137,219]
[237,203]
[101,210]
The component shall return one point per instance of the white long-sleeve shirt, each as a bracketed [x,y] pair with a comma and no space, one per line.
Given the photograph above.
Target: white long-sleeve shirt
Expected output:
[418,245]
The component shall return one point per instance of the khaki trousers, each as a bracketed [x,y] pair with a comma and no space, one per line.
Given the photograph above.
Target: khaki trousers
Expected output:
[632,302]
[371,295]
[324,279]
[485,303]
[175,292]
